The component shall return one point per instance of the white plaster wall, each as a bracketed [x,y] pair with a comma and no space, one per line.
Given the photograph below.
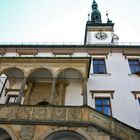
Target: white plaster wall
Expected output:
[73,95]
[80,54]
[11,54]
[45,55]
[124,106]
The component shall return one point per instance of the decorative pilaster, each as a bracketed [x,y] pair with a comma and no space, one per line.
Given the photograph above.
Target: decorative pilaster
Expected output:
[85,92]
[53,90]
[28,92]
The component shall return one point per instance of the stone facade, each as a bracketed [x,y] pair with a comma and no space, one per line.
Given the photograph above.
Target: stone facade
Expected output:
[41,132]
[39,88]
[40,92]
[36,123]
[31,121]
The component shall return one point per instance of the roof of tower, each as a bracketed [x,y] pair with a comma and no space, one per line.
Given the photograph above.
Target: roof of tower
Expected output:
[95,15]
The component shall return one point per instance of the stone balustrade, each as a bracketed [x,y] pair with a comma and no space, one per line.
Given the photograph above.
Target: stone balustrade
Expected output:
[66,115]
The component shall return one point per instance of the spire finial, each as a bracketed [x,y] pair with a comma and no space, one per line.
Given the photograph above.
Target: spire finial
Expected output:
[95,15]
[89,16]
[107,15]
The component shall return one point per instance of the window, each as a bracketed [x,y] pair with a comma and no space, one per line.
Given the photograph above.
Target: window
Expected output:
[134,65]
[99,66]
[139,100]
[103,105]
[12,99]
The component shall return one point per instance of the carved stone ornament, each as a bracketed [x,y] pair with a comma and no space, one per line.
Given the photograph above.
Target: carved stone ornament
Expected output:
[27,132]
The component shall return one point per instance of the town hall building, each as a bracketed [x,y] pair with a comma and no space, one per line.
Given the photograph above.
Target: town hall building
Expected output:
[71,92]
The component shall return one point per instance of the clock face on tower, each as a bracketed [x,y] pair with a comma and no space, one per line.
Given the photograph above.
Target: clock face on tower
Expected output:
[101,36]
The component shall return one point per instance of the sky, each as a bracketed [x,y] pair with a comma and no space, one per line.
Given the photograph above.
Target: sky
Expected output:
[64,20]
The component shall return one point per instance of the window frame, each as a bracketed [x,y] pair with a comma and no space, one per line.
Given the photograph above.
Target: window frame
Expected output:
[8,98]
[99,65]
[103,105]
[139,101]
[134,66]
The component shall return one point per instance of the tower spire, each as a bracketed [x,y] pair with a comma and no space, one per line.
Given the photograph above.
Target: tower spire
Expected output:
[95,14]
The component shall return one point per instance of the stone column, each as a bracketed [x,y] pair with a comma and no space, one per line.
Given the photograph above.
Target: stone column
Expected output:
[53,90]
[85,92]
[28,93]
[21,92]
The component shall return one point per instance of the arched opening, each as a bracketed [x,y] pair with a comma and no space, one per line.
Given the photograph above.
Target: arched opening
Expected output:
[70,86]
[4,135]
[43,103]
[10,84]
[40,74]
[70,73]
[65,135]
[39,87]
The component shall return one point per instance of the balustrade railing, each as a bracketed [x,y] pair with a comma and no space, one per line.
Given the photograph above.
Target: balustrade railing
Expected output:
[66,115]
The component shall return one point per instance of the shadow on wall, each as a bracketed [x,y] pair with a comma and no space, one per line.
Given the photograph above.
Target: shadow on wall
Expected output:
[43,103]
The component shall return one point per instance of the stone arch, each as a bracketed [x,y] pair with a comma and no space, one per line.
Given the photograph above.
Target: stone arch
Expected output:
[65,134]
[75,71]
[68,135]
[73,79]
[8,132]
[39,82]
[33,70]
[8,71]
[12,79]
